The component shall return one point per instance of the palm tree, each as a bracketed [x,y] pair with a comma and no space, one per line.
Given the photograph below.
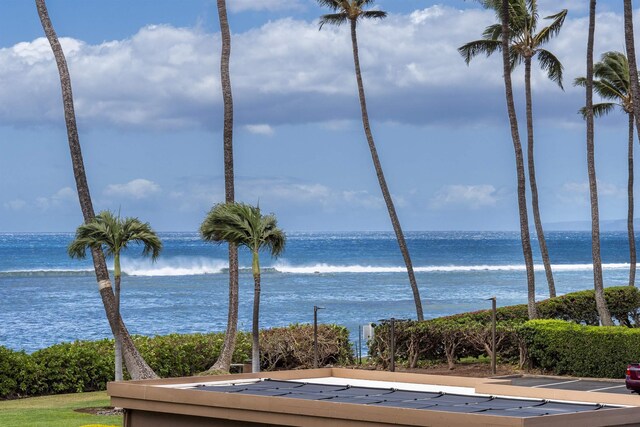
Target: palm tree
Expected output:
[507,66]
[613,83]
[525,43]
[136,366]
[226,352]
[114,234]
[244,225]
[601,304]
[353,11]
[635,96]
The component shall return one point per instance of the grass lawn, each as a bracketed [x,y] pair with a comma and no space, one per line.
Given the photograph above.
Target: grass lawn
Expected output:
[56,411]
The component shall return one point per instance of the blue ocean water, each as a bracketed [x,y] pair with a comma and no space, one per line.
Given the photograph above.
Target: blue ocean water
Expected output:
[46,297]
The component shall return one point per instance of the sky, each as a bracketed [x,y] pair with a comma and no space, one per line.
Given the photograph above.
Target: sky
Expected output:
[145,77]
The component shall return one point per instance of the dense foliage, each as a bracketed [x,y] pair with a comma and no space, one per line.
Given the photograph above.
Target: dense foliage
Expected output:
[468,334]
[88,365]
[565,348]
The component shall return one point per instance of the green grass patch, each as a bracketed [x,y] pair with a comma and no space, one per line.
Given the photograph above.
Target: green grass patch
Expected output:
[473,360]
[56,411]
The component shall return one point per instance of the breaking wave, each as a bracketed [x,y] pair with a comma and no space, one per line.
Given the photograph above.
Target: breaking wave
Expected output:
[189,266]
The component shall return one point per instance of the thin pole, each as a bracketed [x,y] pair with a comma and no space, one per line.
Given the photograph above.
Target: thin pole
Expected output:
[359,344]
[493,335]
[315,336]
[393,344]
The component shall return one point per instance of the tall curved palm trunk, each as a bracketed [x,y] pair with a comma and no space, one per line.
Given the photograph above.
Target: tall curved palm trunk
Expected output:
[137,367]
[381,180]
[517,146]
[635,95]
[255,326]
[224,359]
[631,235]
[542,241]
[601,304]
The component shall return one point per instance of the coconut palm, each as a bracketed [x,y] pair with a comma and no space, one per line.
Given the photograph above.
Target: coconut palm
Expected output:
[612,82]
[601,304]
[226,352]
[503,11]
[352,11]
[635,93]
[244,225]
[136,366]
[525,44]
[114,234]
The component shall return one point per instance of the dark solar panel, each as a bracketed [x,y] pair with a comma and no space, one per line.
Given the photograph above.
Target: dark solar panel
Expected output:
[363,391]
[318,388]
[410,395]
[409,404]
[456,399]
[501,403]
[405,398]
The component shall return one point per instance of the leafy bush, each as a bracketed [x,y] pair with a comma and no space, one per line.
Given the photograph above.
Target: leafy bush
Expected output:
[88,365]
[292,347]
[18,373]
[566,348]
[461,335]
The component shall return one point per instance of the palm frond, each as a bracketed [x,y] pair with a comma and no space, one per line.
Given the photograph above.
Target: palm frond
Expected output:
[477,47]
[373,14]
[599,110]
[551,64]
[331,4]
[552,30]
[336,19]
[492,32]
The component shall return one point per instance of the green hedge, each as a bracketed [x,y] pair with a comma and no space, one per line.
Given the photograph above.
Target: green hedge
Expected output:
[565,348]
[451,337]
[88,365]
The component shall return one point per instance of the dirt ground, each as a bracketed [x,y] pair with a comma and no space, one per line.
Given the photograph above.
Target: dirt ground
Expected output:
[482,370]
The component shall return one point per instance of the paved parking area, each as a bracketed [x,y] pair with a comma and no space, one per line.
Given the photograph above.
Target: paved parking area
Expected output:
[605,386]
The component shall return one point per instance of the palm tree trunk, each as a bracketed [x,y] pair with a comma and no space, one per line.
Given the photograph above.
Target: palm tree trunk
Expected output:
[544,252]
[255,348]
[630,228]
[383,183]
[117,275]
[601,303]
[635,95]
[226,353]
[517,146]
[137,367]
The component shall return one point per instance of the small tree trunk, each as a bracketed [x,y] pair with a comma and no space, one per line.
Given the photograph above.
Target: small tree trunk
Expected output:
[601,303]
[137,367]
[517,146]
[635,96]
[544,252]
[381,180]
[117,274]
[226,353]
[255,348]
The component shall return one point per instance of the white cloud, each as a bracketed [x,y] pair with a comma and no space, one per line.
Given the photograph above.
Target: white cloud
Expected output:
[261,129]
[287,71]
[136,189]
[467,196]
[264,5]
[15,205]
[363,199]
[578,192]
[61,197]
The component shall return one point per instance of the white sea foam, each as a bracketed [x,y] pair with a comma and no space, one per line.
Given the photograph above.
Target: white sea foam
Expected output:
[334,269]
[193,266]
[178,266]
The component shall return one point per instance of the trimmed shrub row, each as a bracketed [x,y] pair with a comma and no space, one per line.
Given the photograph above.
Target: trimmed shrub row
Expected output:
[88,365]
[565,348]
